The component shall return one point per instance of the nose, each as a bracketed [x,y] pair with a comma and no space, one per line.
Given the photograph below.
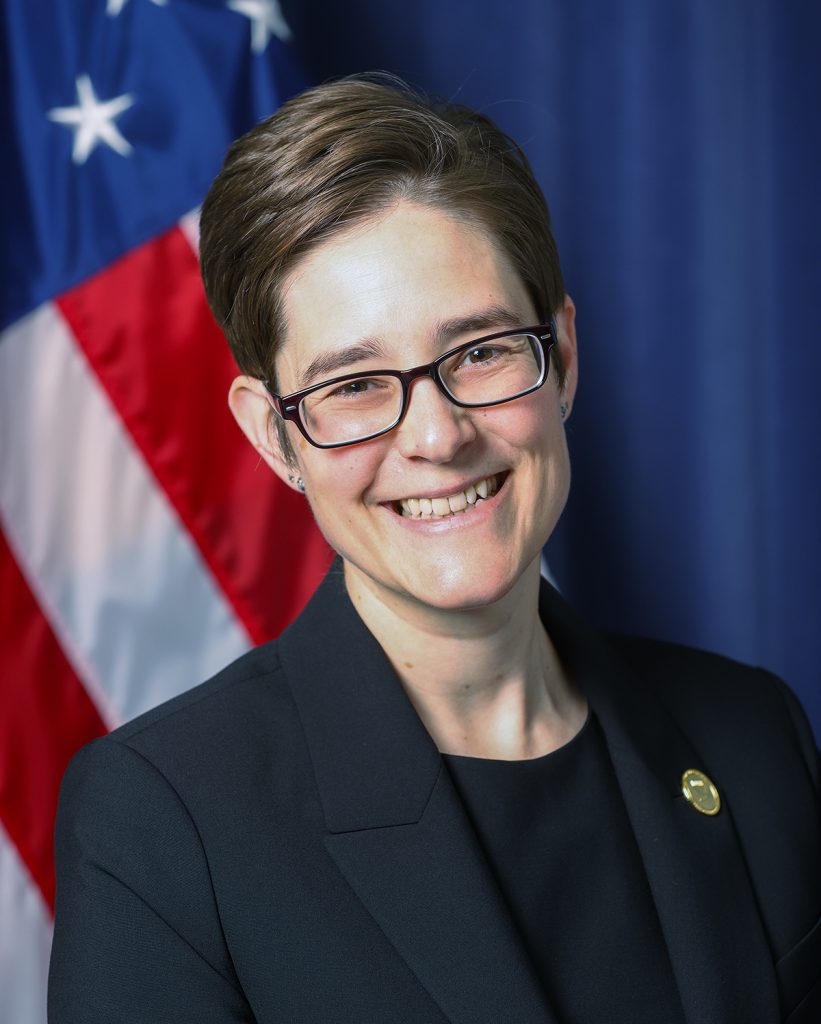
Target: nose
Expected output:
[433,428]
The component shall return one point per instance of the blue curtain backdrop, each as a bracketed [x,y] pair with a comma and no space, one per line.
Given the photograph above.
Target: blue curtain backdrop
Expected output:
[678,145]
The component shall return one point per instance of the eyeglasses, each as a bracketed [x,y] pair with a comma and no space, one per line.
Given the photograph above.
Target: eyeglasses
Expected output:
[357,407]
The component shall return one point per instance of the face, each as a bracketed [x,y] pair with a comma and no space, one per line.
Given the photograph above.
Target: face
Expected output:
[391,285]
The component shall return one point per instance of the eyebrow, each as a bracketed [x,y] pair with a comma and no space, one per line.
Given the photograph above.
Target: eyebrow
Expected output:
[493,318]
[326,364]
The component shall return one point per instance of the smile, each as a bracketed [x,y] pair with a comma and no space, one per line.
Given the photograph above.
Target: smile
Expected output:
[453,504]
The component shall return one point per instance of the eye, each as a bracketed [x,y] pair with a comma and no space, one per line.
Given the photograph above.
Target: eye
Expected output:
[480,354]
[354,387]
[358,388]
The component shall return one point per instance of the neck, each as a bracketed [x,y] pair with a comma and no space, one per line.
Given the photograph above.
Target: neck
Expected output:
[486,682]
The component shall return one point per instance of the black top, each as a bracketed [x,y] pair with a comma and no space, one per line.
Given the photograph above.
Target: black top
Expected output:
[558,838]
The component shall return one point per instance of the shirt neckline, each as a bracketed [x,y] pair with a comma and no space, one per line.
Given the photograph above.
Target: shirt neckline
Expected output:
[569,747]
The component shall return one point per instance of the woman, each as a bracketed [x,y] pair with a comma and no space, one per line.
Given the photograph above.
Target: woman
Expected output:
[439,796]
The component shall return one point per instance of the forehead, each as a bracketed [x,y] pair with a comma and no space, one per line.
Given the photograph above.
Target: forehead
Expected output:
[391,281]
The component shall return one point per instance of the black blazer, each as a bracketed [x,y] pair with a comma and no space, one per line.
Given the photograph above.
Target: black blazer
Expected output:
[282,844]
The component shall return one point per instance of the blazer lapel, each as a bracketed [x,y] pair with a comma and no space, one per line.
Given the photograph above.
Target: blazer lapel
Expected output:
[429,888]
[694,863]
[396,827]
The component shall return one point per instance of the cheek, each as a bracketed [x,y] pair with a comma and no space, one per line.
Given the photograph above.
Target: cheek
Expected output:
[528,425]
[337,479]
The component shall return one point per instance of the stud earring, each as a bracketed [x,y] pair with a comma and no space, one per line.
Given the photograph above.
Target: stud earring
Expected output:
[300,483]
[563,409]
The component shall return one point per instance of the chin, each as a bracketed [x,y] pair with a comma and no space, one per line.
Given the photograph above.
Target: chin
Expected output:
[464,588]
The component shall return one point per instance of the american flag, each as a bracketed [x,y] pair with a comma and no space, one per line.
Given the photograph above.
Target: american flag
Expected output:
[142,543]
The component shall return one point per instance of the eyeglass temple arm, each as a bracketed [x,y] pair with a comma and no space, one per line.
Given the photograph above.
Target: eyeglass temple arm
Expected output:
[286,412]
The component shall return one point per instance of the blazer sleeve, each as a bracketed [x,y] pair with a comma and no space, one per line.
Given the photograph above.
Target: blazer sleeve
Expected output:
[137,934]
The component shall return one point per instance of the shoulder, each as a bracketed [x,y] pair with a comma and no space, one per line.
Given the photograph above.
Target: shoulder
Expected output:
[192,747]
[724,705]
[158,802]
[134,862]
[251,680]
[686,676]
[248,703]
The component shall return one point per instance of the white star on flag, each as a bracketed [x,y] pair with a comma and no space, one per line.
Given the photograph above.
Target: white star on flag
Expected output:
[113,7]
[266,20]
[93,122]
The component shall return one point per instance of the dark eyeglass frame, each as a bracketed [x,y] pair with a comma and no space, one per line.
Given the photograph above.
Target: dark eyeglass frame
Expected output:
[288,406]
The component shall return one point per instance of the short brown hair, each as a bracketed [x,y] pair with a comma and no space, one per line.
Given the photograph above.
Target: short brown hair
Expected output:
[339,154]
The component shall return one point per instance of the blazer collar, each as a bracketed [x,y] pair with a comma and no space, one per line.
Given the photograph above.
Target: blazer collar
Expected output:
[375,762]
[400,835]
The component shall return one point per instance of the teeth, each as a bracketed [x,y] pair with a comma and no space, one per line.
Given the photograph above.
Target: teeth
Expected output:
[461,501]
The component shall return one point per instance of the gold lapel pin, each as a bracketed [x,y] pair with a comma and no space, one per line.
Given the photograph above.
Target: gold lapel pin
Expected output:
[699,792]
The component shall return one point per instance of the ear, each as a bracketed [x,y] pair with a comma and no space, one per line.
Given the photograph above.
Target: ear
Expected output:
[566,323]
[251,407]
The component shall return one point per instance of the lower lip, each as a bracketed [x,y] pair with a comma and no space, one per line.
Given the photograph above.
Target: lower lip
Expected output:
[459,521]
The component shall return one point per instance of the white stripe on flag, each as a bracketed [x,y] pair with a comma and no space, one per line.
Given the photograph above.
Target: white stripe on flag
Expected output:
[190,227]
[25,941]
[127,593]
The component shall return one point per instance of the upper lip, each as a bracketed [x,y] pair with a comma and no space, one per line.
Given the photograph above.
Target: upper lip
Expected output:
[446,492]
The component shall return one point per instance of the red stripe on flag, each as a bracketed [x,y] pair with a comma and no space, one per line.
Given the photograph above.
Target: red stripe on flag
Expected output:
[146,330]
[47,715]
